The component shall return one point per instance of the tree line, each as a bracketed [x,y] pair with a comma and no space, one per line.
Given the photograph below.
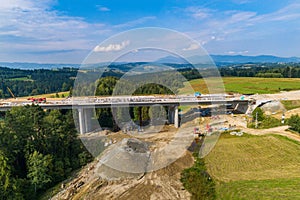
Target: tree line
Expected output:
[264,70]
[105,87]
[38,149]
[34,82]
[43,81]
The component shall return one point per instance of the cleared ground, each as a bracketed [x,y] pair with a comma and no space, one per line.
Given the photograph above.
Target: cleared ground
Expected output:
[51,96]
[255,167]
[162,184]
[246,85]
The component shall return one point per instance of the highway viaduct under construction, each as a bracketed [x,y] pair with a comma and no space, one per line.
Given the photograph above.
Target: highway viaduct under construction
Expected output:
[85,106]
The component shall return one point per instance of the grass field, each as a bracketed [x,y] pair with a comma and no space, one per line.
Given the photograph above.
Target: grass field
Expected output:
[290,105]
[255,167]
[246,85]
[25,78]
[263,189]
[52,95]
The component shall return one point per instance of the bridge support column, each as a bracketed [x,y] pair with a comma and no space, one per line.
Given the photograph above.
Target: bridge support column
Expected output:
[85,120]
[81,119]
[140,116]
[176,117]
[88,113]
[171,114]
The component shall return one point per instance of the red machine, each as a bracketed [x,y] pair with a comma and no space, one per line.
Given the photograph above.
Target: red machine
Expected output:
[37,100]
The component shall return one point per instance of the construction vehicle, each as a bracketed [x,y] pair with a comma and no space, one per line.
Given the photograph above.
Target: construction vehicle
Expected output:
[37,100]
[198,95]
[11,93]
[198,133]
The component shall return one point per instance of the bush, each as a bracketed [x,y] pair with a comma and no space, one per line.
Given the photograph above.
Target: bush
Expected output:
[198,182]
[270,122]
[260,114]
[263,120]
[294,122]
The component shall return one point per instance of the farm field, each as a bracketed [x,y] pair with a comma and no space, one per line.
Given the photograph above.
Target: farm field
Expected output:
[25,78]
[52,95]
[262,189]
[255,167]
[246,85]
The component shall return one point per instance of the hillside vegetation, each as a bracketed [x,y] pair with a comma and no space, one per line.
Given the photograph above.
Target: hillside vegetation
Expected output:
[34,82]
[38,149]
[290,105]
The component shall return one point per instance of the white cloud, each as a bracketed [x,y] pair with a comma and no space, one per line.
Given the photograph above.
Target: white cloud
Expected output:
[227,31]
[287,13]
[241,1]
[193,46]
[102,8]
[237,25]
[231,52]
[32,26]
[112,47]
[199,13]
[237,52]
[135,22]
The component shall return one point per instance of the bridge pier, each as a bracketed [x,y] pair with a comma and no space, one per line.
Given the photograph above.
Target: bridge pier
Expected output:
[81,120]
[173,115]
[176,117]
[85,120]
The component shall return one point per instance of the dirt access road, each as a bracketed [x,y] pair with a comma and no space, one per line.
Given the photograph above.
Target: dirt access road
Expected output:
[281,130]
[291,95]
[241,124]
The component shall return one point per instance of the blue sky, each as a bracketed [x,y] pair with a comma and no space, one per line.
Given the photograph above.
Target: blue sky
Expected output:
[65,31]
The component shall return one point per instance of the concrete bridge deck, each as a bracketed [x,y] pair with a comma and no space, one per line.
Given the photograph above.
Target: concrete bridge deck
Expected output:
[84,105]
[133,101]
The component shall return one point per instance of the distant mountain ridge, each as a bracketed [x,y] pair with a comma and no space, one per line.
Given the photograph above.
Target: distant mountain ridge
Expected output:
[254,59]
[218,59]
[20,65]
[230,59]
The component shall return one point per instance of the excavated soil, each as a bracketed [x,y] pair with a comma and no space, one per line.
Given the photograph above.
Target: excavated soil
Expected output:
[98,181]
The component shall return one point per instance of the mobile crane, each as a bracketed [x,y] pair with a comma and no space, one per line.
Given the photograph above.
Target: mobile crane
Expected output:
[11,93]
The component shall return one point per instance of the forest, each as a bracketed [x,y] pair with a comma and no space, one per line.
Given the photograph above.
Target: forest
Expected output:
[34,82]
[263,70]
[105,87]
[44,81]
[38,149]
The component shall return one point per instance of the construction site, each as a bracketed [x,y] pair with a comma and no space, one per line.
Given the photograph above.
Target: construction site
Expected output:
[148,165]
[146,162]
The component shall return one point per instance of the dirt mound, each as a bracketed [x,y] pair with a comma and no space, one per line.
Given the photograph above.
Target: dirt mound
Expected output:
[99,180]
[128,156]
[273,107]
[162,184]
